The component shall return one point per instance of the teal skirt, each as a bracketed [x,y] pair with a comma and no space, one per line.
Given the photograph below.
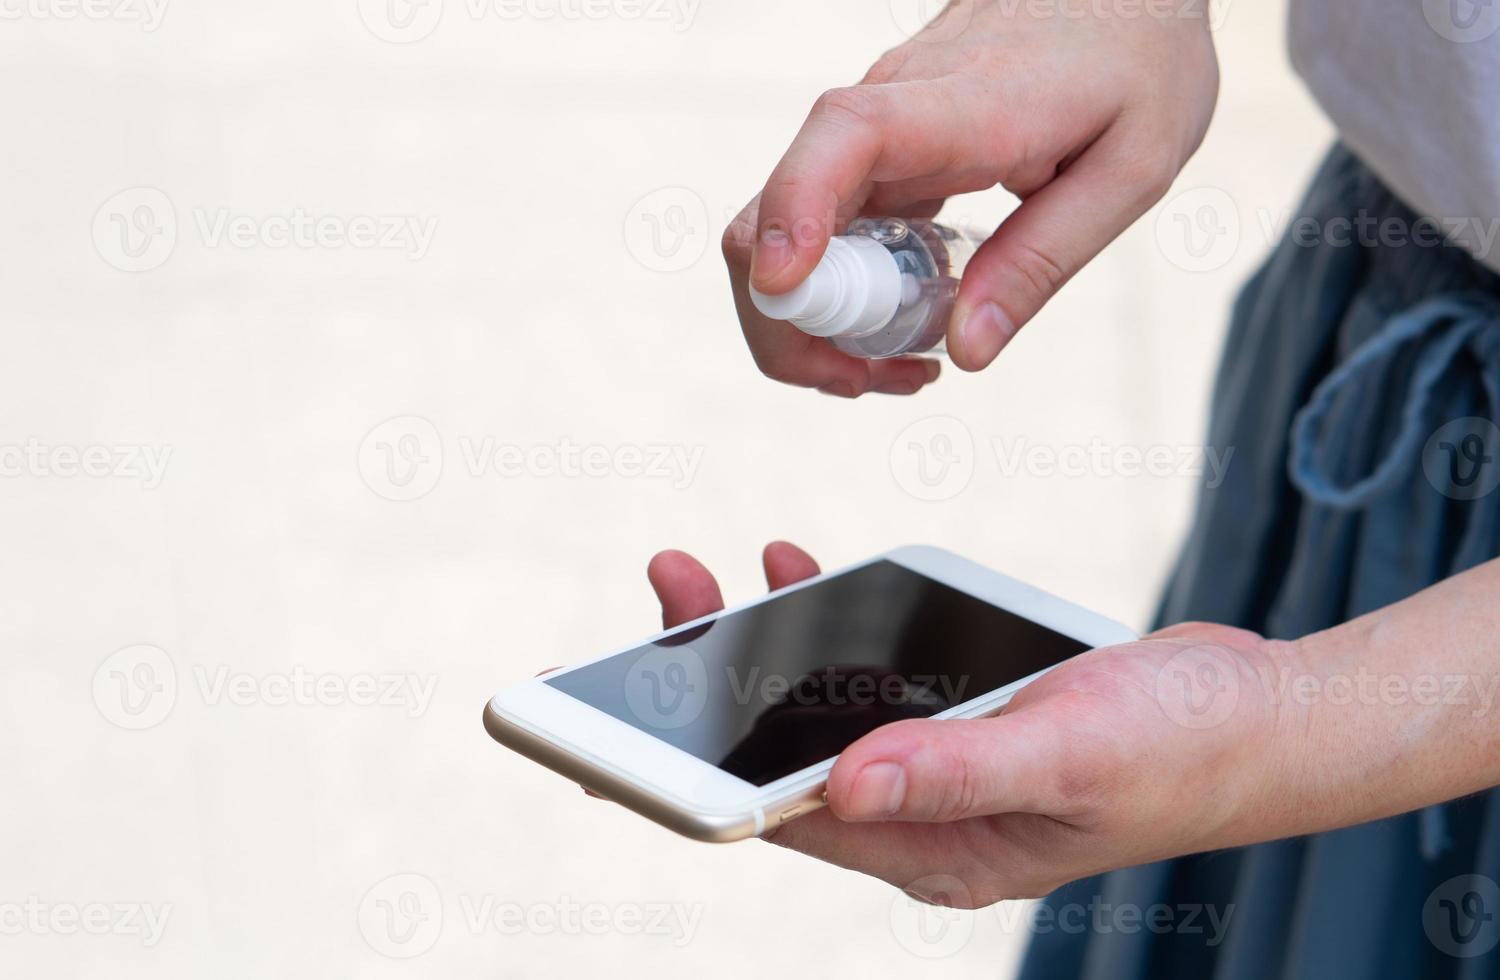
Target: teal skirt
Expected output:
[1359,392]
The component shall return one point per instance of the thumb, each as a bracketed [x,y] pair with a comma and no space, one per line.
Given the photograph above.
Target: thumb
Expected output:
[1044,242]
[943,770]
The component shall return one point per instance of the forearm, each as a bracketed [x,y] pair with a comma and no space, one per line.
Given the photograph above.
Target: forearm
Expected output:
[1393,711]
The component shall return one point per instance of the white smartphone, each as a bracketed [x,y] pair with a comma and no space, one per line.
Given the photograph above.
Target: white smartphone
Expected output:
[726,727]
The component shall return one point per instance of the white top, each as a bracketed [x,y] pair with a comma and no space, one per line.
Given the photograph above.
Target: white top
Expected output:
[1412,86]
[853,291]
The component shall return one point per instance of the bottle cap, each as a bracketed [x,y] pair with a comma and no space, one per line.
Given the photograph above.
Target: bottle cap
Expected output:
[853,291]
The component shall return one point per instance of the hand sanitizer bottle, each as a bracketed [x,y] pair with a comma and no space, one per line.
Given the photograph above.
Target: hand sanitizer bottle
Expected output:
[884,288]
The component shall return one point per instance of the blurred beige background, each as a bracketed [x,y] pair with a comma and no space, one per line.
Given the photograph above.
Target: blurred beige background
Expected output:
[249,624]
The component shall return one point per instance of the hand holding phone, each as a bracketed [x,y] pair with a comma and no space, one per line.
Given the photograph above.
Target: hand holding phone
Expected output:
[727,726]
[1117,757]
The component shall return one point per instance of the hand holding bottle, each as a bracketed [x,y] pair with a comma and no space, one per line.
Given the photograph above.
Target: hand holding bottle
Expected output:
[1086,117]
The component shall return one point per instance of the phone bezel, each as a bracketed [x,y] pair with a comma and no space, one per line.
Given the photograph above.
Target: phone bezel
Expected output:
[623,754]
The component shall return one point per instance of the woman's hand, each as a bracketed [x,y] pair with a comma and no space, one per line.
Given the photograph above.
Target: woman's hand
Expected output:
[1086,117]
[1121,756]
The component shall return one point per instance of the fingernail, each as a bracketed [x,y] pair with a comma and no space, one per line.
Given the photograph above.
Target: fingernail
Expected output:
[772,253]
[896,388]
[839,389]
[878,792]
[984,332]
[933,370]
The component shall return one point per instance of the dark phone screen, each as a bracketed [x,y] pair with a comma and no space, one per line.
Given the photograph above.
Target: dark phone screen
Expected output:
[769,690]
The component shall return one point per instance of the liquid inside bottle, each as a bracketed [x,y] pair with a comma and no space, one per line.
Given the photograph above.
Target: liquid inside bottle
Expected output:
[884,288]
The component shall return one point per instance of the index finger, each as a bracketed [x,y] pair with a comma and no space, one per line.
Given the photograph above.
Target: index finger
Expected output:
[853,137]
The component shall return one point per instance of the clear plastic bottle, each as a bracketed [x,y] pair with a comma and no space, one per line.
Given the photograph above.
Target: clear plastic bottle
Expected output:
[884,288]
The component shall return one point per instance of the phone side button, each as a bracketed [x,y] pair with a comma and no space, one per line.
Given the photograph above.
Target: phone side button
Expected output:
[788,813]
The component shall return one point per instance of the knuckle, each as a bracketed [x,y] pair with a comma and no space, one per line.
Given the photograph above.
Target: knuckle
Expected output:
[957,794]
[1149,174]
[771,366]
[885,67]
[856,106]
[1042,274]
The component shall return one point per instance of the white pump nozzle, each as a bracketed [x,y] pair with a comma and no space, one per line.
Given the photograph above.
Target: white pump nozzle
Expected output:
[854,290]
